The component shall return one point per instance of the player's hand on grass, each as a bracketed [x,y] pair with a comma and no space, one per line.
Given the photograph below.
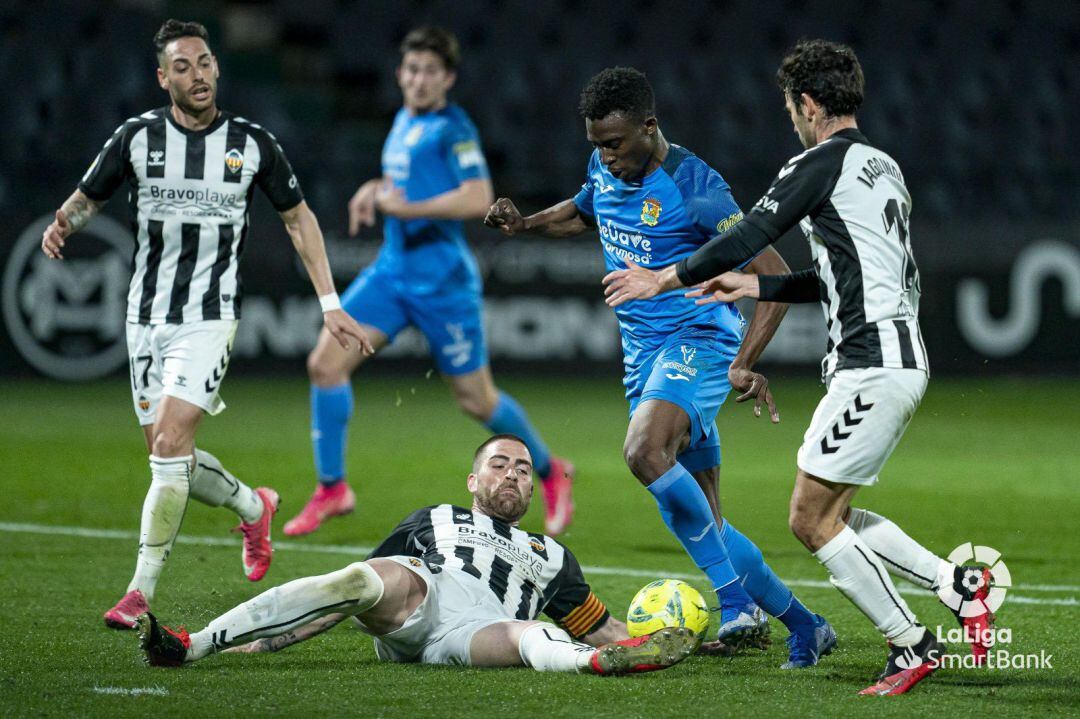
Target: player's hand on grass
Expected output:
[727,287]
[362,207]
[504,216]
[344,328]
[753,386]
[55,234]
[712,649]
[633,283]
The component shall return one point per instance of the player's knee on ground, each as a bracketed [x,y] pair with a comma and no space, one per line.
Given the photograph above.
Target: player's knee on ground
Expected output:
[647,458]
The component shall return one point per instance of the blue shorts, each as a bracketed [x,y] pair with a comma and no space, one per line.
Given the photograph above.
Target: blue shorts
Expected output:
[453,322]
[690,369]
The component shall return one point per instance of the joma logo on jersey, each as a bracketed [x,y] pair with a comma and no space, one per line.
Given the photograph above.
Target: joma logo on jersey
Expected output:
[234,160]
[650,211]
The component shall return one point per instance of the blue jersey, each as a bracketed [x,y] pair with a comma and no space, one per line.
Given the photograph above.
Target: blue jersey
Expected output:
[427,155]
[656,222]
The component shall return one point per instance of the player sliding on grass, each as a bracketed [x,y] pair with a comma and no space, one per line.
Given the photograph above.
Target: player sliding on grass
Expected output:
[655,203]
[434,176]
[852,203]
[191,170]
[450,585]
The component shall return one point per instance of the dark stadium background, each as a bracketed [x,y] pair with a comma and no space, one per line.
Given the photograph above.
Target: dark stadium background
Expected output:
[977,102]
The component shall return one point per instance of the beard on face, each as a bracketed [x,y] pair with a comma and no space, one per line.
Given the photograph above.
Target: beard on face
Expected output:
[507,506]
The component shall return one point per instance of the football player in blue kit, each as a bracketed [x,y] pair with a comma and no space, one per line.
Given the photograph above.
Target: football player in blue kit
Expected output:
[434,177]
[654,203]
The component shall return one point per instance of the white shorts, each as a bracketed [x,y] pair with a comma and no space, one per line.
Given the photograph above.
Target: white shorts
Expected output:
[441,629]
[187,361]
[859,422]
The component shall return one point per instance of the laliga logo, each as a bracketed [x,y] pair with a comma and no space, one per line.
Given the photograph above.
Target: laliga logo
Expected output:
[961,595]
[66,318]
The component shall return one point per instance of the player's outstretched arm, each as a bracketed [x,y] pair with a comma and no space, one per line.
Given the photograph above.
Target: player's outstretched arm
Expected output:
[561,220]
[767,317]
[273,644]
[307,238]
[72,216]
[467,201]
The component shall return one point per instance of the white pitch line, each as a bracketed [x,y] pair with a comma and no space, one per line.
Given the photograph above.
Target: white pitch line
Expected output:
[132,691]
[361,550]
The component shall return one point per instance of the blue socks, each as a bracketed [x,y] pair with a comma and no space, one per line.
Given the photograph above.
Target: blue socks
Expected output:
[331,409]
[761,583]
[689,517]
[510,418]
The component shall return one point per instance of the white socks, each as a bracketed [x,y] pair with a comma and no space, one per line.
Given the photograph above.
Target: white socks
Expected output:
[352,590]
[162,514]
[215,486]
[547,648]
[899,553]
[859,575]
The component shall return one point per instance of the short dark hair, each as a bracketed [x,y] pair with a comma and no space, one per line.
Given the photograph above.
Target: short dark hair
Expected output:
[827,71]
[438,40]
[492,440]
[618,89]
[174,29]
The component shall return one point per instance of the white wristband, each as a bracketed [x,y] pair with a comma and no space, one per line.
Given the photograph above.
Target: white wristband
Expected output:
[330,302]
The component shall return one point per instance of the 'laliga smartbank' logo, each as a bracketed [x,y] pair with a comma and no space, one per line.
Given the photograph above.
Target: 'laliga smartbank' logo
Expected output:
[978,590]
[66,317]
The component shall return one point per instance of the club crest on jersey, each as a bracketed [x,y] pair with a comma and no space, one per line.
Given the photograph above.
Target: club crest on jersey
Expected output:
[414,561]
[688,353]
[234,160]
[650,211]
[537,545]
[144,403]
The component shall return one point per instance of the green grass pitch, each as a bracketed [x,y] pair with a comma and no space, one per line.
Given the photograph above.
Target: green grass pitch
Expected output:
[990,461]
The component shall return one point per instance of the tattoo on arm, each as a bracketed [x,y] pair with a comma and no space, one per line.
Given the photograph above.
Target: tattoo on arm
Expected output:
[80,209]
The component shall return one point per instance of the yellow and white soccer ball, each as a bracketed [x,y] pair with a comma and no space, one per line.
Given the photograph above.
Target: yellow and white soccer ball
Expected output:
[667,603]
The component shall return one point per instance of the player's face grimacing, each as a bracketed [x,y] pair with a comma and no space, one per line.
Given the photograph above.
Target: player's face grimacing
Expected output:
[625,145]
[189,72]
[801,119]
[424,80]
[501,482]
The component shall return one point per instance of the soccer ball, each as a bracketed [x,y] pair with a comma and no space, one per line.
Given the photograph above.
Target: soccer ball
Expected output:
[667,603]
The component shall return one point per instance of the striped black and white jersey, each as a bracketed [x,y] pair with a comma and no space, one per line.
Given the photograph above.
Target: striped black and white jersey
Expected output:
[851,202]
[528,573]
[190,193]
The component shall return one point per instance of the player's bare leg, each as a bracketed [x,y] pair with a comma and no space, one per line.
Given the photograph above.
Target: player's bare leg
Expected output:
[658,431]
[816,519]
[476,394]
[330,368]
